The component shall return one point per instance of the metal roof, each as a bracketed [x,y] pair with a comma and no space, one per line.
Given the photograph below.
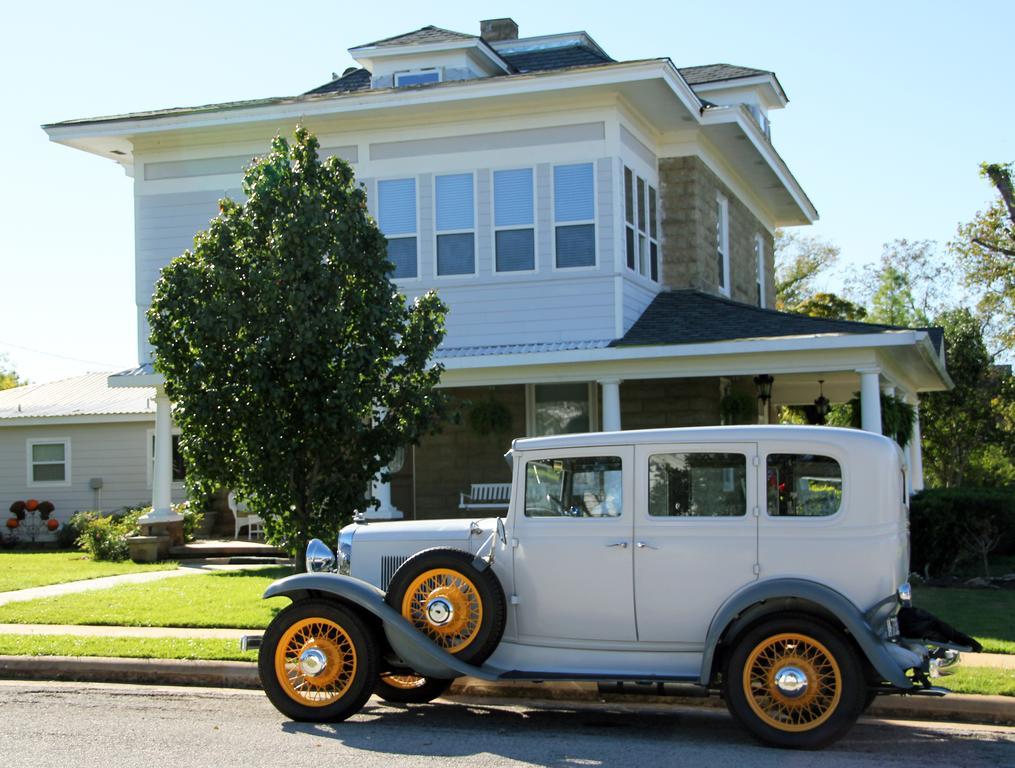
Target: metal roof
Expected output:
[87,395]
[519,349]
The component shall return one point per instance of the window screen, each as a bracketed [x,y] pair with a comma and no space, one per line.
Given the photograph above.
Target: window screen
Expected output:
[803,485]
[697,485]
[561,409]
[587,486]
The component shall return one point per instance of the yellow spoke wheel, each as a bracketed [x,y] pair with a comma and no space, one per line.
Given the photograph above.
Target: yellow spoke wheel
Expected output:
[792,682]
[315,662]
[404,682]
[445,606]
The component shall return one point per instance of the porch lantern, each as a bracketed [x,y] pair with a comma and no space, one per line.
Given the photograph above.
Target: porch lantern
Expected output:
[821,403]
[764,385]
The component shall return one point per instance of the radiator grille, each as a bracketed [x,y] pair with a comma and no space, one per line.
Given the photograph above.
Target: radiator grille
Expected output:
[390,564]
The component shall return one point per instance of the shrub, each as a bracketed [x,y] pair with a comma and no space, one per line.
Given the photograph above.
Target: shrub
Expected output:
[104,537]
[949,526]
[192,517]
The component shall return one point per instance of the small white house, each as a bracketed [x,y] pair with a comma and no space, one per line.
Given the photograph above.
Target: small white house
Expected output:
[79,444]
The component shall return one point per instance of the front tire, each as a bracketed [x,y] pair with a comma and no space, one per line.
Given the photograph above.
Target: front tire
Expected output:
[317,662]
[795,682]
[410,689]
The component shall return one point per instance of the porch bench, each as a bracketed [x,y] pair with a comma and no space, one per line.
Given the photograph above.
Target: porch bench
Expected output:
[487,496]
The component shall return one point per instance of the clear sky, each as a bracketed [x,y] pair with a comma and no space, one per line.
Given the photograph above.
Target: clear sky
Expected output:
[893,105]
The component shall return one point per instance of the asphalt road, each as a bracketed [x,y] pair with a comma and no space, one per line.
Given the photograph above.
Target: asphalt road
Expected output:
[74,724]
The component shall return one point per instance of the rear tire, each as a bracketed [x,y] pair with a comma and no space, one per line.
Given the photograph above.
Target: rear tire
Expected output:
[318,662]
[460,607]
[410,689]
[795,682]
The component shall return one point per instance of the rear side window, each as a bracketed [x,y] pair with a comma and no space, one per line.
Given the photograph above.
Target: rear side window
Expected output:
[803,485]
[697,485]
[585,486]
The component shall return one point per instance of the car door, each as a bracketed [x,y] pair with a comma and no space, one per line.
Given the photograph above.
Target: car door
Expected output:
[572,546]
[696,535]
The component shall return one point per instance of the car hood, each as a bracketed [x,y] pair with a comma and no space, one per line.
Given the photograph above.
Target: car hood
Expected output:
[421,530]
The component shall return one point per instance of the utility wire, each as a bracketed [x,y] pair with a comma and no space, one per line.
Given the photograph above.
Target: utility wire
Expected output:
[53,354]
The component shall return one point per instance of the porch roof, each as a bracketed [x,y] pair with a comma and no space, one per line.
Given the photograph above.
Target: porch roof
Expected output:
[688,316]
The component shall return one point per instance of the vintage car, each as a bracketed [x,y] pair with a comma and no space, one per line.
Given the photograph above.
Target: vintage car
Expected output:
[763,563]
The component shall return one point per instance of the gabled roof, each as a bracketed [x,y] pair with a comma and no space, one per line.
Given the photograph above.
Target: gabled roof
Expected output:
[688,316]
[421,36]
[712,73]
[357,80]
[87,395]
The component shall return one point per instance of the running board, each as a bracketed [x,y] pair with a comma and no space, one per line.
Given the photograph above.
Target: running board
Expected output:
[651,688]
[250,643]
[932,691]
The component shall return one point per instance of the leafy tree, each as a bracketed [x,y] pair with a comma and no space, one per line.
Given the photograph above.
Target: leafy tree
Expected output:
[799,262]
[294,364]
[906,287]
[830,306]
[963,434]
[8,376]
[986,251]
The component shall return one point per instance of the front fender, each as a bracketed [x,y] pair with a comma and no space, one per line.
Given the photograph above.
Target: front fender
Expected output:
[414,648]
[889,660]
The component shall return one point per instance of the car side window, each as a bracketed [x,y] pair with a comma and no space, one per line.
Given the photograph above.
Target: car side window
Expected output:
[581,486]
[697,485]
[803,485]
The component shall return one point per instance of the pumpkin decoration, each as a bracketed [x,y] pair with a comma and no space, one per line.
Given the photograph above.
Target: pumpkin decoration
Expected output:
[45,509]
[12,523]
[31,505]
[52,524]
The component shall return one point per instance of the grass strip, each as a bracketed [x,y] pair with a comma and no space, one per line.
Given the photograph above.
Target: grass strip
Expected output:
[225,599]
[986,614]
[22,570]
[124,647]
[985,681]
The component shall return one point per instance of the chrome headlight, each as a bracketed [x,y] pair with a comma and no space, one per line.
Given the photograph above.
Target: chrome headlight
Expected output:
[345,550]
[906,594]
[320,558]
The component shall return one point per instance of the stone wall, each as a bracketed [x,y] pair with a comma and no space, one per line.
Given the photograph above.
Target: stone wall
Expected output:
[688,191]
[656,403]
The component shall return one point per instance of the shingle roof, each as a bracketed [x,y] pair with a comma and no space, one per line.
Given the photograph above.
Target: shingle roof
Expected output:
[87,395]
[555,58]
[357,80]
[421,36]
[689,316]
[712,73]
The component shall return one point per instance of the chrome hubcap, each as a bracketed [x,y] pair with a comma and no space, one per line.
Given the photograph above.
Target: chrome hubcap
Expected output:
[439,611]
[791,682]
[313,661]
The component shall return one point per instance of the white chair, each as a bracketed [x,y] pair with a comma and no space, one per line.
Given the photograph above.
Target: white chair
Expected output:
[253,523]
[488,496]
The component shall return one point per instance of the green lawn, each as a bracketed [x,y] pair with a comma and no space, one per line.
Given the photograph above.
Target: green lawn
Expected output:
[124,647]
[980,680]
[21,570]
[986,614]
[226,599]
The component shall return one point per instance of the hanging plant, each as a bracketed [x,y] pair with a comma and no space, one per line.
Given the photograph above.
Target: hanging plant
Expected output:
[490,416]
[897,417]
[738,408]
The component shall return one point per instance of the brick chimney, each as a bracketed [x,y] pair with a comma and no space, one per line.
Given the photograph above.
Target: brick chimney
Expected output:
[494,30]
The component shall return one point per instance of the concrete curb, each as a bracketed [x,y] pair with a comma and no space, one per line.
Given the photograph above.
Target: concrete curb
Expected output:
[960,708]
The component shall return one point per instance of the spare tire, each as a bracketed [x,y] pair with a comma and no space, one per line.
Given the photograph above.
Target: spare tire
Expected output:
[459,606]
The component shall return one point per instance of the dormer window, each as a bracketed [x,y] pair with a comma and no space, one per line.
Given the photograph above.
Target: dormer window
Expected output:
[417,77]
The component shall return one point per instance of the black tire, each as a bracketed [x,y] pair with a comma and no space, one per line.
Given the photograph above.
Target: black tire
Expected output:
[351,657]
[822,711]
[476,625]
[410,689]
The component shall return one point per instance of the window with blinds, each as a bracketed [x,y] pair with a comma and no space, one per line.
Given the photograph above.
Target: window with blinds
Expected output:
[513,221]
[396,216]
[574,216]
[455,224]
[641,225]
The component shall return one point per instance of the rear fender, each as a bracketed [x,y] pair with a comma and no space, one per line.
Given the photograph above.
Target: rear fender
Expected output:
[411,646]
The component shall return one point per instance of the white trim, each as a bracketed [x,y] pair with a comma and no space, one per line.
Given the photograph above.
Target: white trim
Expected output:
[369,52]
[593,221]
[176,485]
[30,463]
[746,82]
[759,259]
[494,229]
[53,421]
[423,70]
[474,231]
[723,246]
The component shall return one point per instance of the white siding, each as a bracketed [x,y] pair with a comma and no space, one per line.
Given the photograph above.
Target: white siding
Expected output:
[115,452]
[637,296]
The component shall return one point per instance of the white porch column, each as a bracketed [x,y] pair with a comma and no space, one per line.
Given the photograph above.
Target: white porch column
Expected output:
[870,401]
[611,404]
[916,451]
[382,492]
[162,476]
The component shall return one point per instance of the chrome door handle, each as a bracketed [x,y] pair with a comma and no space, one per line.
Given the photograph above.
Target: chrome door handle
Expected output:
[621,544]
[643,545]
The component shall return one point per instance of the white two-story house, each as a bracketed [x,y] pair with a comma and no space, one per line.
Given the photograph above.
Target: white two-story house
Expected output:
[601,230]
